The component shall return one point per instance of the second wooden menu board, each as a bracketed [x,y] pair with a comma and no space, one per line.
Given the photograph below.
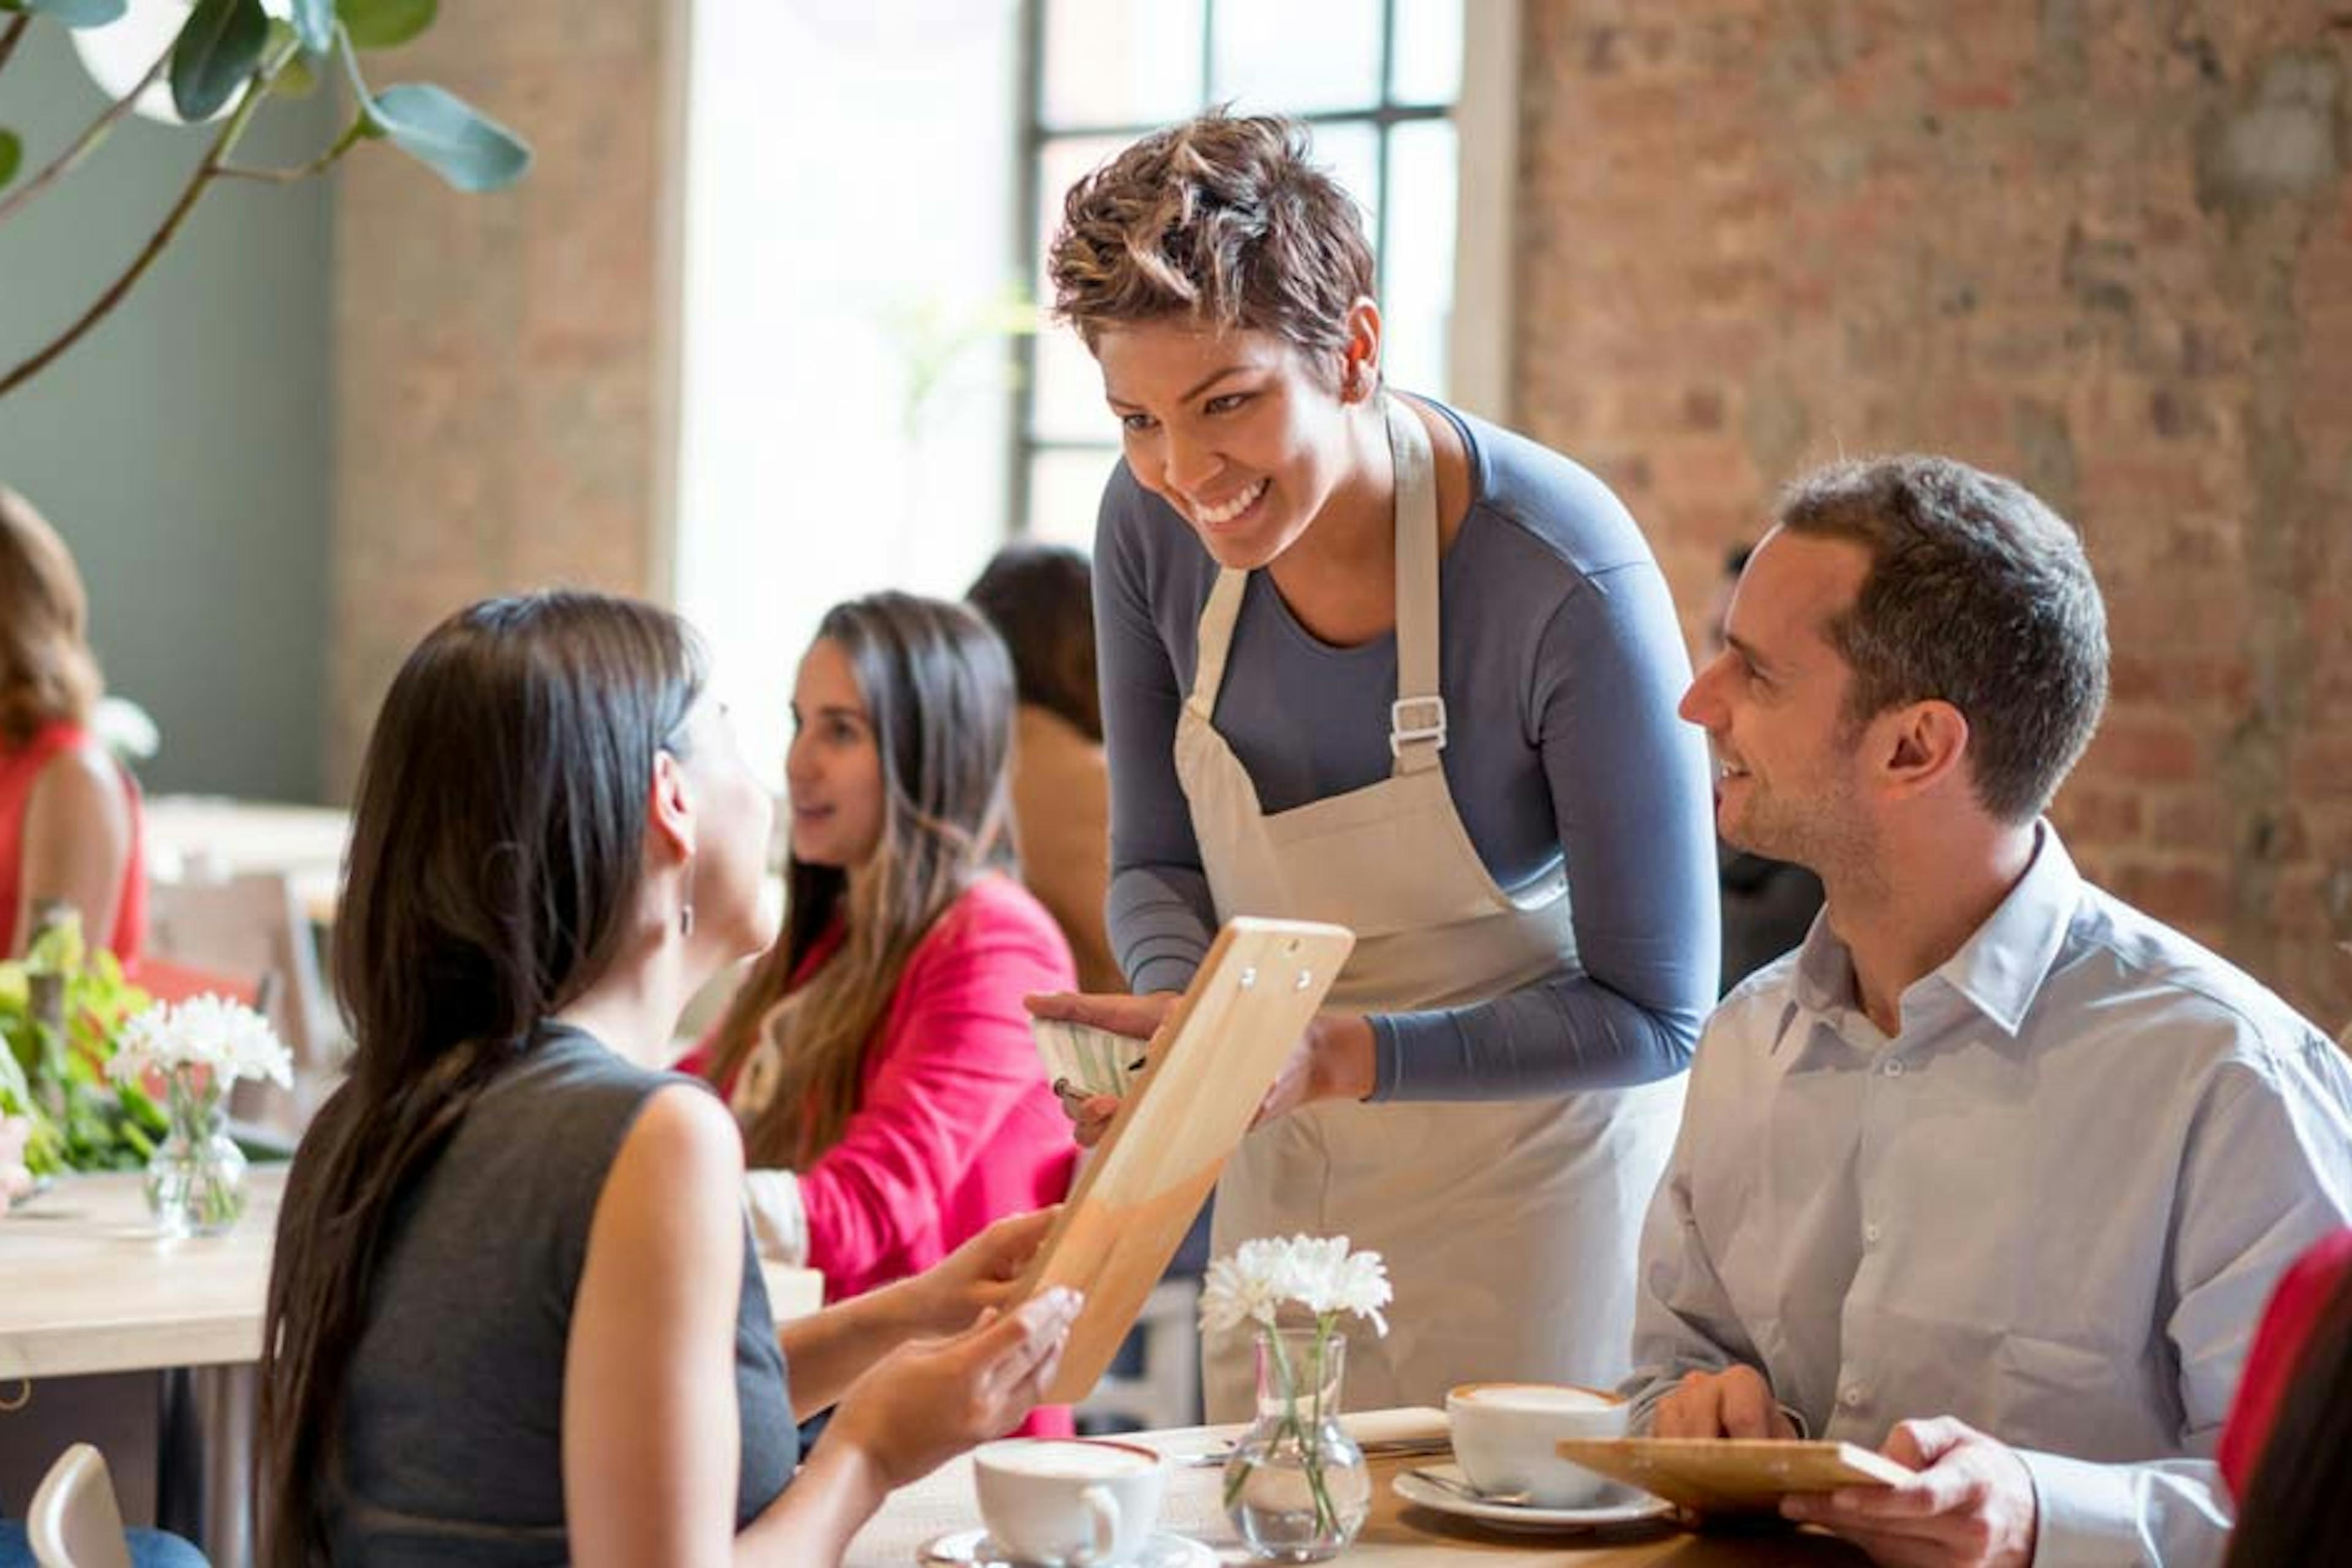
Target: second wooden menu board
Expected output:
[1211,1065]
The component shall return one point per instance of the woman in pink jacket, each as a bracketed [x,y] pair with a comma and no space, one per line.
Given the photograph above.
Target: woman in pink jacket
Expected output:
[878,1055]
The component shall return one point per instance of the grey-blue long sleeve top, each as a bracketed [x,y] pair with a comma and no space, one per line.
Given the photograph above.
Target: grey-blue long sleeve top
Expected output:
[1561,663]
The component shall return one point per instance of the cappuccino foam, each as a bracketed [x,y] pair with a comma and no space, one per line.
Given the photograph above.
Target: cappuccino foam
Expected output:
[1087,1461]
[1535,1398]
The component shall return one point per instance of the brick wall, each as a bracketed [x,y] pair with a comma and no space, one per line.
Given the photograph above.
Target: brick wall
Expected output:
[497,390]
[2104,247]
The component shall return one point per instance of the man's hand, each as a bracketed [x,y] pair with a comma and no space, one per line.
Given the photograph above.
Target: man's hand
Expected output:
[1733,1403]
[1970,1506]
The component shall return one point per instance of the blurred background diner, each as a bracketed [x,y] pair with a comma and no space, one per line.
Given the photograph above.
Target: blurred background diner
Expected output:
[757,333]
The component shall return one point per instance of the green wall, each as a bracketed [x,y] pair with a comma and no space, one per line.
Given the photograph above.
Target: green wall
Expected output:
[184,447]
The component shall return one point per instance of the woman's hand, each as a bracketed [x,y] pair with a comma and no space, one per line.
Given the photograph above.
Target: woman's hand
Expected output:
[1334,1059]
[1138,1017]
[977,1277]
[930,1400]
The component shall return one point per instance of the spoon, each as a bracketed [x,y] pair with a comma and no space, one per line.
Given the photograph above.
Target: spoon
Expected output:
[1469,1493]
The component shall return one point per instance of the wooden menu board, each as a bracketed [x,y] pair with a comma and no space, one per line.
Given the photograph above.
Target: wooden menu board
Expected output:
[1732,1475]
[1210,1064]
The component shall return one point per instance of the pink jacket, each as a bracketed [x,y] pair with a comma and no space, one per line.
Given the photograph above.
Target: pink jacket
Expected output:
[956,1126]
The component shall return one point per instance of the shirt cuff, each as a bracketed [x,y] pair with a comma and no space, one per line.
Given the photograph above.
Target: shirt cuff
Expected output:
[778,1222]
[2085,1515]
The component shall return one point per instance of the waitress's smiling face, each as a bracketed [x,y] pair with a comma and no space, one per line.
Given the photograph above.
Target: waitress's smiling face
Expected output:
[1232,427]
[834,767]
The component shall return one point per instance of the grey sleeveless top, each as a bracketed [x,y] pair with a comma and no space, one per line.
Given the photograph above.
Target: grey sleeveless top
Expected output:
[453,1412]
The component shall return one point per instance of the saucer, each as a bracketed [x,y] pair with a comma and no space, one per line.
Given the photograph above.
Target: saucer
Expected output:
[1161,1549]
[1618,1504]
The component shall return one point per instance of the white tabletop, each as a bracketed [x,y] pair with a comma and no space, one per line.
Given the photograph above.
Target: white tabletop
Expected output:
[89,1287]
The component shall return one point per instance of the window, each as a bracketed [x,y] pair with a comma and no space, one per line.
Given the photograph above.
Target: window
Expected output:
[1378,81]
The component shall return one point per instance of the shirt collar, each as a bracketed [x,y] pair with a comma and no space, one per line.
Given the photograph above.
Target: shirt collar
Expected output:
[1998,969]
[2001,968]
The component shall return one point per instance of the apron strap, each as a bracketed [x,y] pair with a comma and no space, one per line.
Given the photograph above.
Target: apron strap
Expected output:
[1417,717]
[1217,618]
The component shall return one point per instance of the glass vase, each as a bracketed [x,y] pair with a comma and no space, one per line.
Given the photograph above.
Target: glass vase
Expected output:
[195,1178]
[1297,1488]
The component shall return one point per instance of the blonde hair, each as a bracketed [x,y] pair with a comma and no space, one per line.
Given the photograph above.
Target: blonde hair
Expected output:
[938,688]
[46,669]
[1224,219]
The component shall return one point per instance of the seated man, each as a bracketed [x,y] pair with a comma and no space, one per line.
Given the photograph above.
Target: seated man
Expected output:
[1991,1147]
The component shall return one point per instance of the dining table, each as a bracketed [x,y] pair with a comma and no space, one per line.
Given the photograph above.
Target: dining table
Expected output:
[87,1284]
[924,1522]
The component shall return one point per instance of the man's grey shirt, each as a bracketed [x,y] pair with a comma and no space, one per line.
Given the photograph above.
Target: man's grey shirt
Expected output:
[2053,1204]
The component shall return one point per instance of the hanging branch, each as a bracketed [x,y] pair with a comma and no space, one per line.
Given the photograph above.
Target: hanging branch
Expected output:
[10,34]
[84,143]
[351,137]
[206,173]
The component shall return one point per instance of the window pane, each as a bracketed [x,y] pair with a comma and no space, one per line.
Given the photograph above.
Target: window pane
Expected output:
[1298,56]
[1426,67]
[1065,492]
[1350,153]
[1417,255]
[1068,405]
[1121,62]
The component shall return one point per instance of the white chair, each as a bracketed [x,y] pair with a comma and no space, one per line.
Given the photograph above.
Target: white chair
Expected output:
[1167,1393]
[75,1523]
[254,925]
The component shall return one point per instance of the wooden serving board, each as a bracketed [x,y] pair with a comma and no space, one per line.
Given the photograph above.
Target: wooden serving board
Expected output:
[1732,1475]
[1210,1066]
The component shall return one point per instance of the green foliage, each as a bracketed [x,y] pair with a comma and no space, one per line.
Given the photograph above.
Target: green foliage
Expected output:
[11,155]
[456,140]
[385,24]
[216,51]
[57,1078]
[75,13]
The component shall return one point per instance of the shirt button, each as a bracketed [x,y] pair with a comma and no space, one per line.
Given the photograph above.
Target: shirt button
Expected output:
[1870,1233]
[1893,1069]
[1854,1396]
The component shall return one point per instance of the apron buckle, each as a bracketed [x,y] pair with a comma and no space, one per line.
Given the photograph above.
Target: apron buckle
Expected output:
[1402,732]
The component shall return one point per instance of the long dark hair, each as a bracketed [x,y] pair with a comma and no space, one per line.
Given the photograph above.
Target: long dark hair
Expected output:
[496,860]
[2298,1503]
[1040,599]
[937,687]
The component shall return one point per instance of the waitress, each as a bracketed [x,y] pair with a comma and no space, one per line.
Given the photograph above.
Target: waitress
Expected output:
[1371,661]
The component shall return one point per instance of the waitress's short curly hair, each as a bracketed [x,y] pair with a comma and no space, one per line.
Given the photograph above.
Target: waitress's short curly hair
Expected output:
[1223,219]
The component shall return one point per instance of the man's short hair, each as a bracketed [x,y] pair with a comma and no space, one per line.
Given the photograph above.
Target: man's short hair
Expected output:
[1979,595]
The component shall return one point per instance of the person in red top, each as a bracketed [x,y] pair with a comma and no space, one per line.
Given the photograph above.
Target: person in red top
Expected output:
[2287,1449]
[68,814]
[878,1055]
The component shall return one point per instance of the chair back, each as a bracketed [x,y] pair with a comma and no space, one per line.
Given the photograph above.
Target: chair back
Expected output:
[252,924]
[75,1523]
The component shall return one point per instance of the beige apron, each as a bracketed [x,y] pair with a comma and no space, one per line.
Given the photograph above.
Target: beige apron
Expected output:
[1510,1226]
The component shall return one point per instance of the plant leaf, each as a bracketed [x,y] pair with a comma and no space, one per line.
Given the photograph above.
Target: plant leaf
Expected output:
[12,155]
[314,21]
[218,50]
[385,24]
[456,142]
[77,13]
[295,79]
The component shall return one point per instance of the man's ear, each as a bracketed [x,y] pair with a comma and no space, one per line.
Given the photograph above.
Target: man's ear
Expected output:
[669,809]
[1921,745]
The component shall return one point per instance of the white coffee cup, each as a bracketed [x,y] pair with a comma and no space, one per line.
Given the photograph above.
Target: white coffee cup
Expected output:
[1083,1503]
[1503,1434]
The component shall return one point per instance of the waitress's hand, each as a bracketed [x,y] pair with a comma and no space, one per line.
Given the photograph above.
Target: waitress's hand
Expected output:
[1334,1059]
[1138,1017]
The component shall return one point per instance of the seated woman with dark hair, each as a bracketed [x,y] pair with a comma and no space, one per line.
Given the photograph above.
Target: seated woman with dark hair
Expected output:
[1040,599]
[68,813]
[2287,1449]
[515,1314]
